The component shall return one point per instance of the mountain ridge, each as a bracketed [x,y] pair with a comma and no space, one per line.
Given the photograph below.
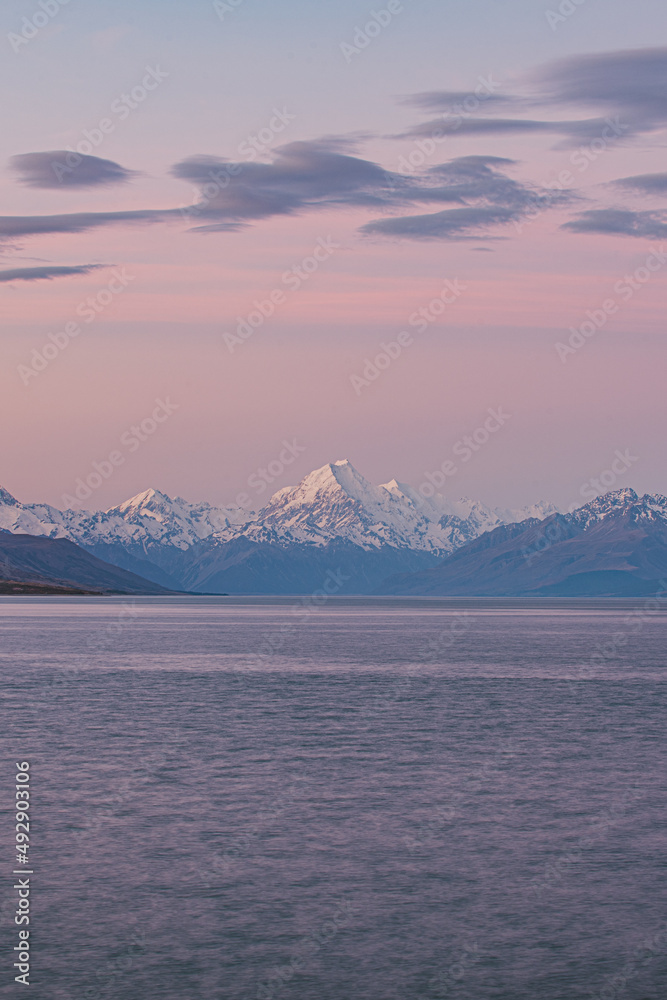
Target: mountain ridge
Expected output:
[58,565]
[616,545]
[193,546]
[332,520]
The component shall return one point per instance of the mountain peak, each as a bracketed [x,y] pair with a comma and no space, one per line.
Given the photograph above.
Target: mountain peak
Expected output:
[339,475]
[148,500]
[619,504]
[8,499]
[606,502]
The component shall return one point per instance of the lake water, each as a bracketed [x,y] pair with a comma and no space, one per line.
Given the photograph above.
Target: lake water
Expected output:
[383,800]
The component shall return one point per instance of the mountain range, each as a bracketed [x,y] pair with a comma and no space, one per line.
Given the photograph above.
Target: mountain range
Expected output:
[614,546]
[334,520]
[337,526]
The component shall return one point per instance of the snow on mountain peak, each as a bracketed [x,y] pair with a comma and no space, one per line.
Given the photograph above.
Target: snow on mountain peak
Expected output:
[621,502]
[332,504]
[148,500]
[7,498]
[176,521]
[337,502]
[337,477]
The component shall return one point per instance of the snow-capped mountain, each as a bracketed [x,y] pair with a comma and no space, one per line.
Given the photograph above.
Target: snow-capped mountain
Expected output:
[650,507]
[188,546]
[149,516]
[336,525]
[337,502]
[614,546]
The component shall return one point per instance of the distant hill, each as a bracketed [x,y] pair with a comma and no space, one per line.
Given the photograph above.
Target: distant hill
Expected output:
[615,546]
[34,564]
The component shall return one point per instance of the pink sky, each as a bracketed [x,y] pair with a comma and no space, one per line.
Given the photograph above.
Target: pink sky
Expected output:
[525,284]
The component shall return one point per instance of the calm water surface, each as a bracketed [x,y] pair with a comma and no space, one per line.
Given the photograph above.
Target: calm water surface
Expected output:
[377,800]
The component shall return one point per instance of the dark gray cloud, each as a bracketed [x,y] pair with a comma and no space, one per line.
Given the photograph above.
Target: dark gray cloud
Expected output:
[488,199]
[310,175]
[46,272]
[572,132]
[630,82]
[620,222]
[627,89]
[461,101]
[644,183]
[440,127]
[307,176]
[455,223]
[12,226]
[303,175]
[62,168]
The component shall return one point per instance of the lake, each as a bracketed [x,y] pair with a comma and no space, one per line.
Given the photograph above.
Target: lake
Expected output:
[379,799]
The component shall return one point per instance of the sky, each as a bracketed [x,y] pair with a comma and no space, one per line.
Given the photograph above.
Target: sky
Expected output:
[356,230]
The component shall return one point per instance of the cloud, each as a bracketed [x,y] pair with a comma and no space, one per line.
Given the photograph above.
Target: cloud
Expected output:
[627,89]
[573,132]
[309,176]
[620,222]
[644,183]
[455,223]
[461,101]
[632,82]
[46,272]
[440,127]
[78,222]
[488,198]
[66,169]
[304,175]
